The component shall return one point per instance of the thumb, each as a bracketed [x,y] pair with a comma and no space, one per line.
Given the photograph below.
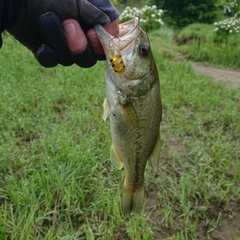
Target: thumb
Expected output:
[76,38]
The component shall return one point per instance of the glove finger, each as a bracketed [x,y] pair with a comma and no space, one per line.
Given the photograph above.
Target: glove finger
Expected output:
[100,57]
[52,31]
[46,56]
[84,59]
[92,12]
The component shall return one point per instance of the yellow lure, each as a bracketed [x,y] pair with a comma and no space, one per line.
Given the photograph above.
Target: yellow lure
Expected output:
[117,63]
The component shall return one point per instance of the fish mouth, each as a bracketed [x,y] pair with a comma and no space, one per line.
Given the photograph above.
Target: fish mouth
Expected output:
[128,28]
[128,31]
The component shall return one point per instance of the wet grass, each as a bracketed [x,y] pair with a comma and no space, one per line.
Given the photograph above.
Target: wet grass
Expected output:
[56,180]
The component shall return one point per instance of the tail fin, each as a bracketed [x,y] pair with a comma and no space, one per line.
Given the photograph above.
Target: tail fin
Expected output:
[132,201]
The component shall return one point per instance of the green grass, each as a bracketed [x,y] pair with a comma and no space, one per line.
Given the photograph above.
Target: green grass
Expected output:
[200,43]
[56,180]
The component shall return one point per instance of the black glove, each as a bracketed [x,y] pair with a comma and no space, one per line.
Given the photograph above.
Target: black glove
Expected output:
[39,27]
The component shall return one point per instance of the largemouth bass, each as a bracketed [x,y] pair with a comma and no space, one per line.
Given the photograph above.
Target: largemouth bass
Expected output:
[133,105]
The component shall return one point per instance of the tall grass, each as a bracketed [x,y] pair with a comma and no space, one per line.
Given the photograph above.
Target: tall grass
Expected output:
[56,180]
[200,43]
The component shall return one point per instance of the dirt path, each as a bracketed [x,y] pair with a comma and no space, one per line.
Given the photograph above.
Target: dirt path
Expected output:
[225,75]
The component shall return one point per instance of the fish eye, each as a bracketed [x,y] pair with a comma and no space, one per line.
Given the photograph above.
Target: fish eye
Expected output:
[144,50]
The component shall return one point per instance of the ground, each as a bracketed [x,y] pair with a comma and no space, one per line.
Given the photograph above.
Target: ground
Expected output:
[219,74]
[224,75]
[229,215]
[229,227]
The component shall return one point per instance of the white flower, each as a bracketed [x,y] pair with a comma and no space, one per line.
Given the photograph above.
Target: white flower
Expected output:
[216,29]
[159,21]
[230,31]
[153,15]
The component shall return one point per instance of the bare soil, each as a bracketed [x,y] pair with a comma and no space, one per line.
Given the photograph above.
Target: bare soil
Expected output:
[224,75]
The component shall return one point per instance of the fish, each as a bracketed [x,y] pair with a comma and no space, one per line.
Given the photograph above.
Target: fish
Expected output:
[134,107]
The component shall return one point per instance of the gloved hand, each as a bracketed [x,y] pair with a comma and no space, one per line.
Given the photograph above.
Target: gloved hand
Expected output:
[39,28]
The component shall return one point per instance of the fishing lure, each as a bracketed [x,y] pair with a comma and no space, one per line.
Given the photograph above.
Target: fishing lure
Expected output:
[116,59]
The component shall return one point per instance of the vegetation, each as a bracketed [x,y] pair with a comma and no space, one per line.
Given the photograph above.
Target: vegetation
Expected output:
[150,16]
[56,180]
[200,43]
[182,13]
[217,44]
[229,26]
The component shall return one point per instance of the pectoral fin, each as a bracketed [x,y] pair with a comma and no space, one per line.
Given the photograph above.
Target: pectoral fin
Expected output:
[130,114]
[116,161]
[106,109]
[155,156]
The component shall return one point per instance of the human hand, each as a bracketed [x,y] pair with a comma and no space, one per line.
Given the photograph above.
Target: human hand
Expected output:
[61,31]
[74,32]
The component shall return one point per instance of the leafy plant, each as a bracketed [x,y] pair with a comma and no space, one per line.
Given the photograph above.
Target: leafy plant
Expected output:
[232,8]
[150,16]
[182,13]
[230,25]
